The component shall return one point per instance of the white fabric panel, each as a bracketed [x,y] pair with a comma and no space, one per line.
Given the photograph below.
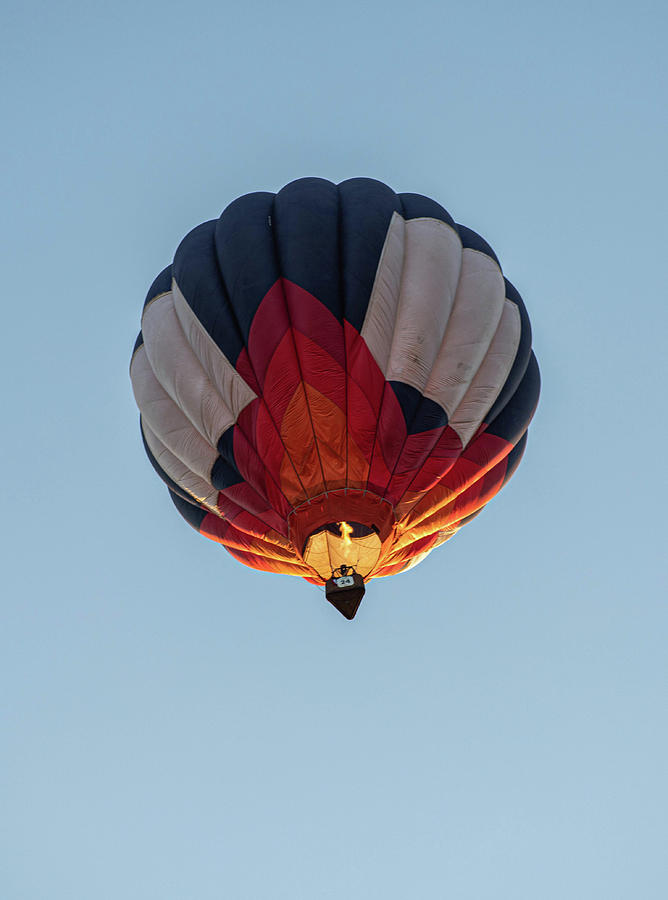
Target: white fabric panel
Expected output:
[233,390]
[190,483]
[179,371]
[432,260]
[491,376]
[475,315]
[167,421]
[378,326]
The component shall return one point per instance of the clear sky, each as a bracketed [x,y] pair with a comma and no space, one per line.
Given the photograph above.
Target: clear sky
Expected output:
[494,723]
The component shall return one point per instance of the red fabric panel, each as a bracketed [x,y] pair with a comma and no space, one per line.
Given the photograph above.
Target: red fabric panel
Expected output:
[265,564]
[400,559]
[311,317]
[365,387]
[481,455]
[224,532]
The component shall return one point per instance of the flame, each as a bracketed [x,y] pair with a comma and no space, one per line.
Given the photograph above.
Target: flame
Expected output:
[346,530]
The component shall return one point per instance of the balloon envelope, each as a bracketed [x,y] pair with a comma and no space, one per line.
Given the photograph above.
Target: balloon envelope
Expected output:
[334,375]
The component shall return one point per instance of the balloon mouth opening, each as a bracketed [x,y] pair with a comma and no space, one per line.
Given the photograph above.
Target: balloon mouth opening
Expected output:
[342,528]
[348,532]
[336,547]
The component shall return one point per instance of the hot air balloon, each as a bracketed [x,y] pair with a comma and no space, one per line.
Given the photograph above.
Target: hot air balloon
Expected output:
[333,380]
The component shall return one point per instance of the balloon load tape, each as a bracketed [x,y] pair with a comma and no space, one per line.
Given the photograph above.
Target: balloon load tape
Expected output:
[345,590]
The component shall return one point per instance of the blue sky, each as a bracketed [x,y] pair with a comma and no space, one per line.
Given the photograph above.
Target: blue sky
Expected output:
[491,725]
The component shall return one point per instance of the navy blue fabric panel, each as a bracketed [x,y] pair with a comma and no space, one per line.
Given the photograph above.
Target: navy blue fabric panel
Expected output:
[521,357]
[246,254]
[194,515]
[225,472]
[366,208]
[420,413]
[161,285]
[171,484]
[427,415]
[415,206]
[138,343]
[197,274]
[225,447]
[223,475]
[306,227]
[473,241]
[515,456]
[513,419]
